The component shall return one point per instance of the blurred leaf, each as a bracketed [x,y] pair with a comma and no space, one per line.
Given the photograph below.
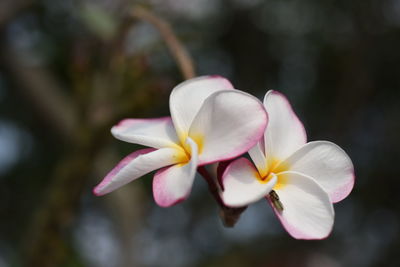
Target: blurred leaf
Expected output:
[99,21]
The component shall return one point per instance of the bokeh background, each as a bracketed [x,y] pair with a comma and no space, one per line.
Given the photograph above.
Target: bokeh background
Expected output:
[71,69]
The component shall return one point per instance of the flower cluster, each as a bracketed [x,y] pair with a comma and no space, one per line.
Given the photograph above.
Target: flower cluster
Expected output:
[212,122]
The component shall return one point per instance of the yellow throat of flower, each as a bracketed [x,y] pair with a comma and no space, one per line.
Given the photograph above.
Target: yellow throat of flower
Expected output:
[273,166]
[185,152]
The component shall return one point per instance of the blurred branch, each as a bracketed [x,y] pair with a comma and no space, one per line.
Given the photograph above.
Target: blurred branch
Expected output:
[41,90]
[10,8]
[46,243]
[177,50]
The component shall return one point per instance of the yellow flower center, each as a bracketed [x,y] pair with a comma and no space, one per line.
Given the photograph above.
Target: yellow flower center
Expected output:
[182,156]
[273,166]
[185,152]
[199,140]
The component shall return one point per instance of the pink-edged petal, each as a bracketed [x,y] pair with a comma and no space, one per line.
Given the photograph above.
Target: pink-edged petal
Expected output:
[173,184]
[307,210]
[285,132]
[228,124]
[187,98]
[157,133]
[136,165]
[242,185]
[328,164]
[257,155]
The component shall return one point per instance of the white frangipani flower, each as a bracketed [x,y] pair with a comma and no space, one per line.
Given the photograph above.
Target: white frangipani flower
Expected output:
[210,121]
[300,180]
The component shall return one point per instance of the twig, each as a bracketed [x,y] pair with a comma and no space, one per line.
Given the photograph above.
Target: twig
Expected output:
[229,216]
[211,185]
[177,50]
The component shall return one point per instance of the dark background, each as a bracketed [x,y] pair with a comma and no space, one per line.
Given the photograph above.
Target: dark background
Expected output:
[70,69]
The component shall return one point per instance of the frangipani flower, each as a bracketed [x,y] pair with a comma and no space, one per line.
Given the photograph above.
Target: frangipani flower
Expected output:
[300,180]
[210,121]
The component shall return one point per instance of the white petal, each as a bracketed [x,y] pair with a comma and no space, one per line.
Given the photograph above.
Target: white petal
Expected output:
[328,164]
[228,124]
[242,185]
[173,184]
[136,165]
[307,210]
[257,155]
[157,133]
[285,132]
[187,98]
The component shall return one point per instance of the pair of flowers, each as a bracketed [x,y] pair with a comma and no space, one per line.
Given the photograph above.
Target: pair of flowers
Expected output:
[212,122]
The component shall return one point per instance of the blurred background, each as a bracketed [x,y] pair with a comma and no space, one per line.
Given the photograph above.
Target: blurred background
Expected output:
[69,70]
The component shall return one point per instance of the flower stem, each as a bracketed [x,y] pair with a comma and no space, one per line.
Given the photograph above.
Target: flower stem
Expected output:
[229,216]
